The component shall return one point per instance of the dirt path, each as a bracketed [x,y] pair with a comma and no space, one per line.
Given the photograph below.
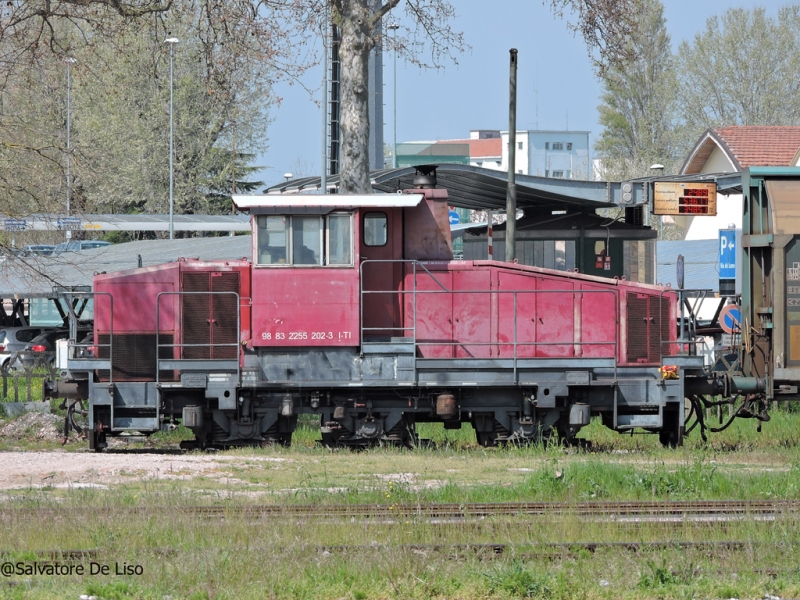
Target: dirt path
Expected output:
[85,469]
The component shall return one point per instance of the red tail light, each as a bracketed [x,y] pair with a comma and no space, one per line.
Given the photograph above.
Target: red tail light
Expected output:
[2,348]
[38,348]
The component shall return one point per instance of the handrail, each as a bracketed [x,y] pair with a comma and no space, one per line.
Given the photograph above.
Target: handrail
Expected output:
[182,345]
[514,343]
[110,345]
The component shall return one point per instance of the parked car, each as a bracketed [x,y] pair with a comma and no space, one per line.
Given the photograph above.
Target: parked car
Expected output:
[38,250]
[41,350]
[14,339]
[78,245]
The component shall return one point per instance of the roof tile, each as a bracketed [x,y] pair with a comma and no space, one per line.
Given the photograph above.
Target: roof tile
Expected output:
[764,146]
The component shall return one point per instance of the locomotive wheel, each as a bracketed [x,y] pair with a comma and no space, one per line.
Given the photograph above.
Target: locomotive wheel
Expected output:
[669,439]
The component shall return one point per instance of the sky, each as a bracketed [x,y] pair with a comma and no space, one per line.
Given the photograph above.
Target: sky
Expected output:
[557,87]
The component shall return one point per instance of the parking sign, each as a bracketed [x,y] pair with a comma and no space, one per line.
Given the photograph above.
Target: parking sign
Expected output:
[727,254]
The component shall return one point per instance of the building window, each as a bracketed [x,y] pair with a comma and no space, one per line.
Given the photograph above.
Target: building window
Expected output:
[547,173]
[519,145]
[558,174]
[519,171]
[558,145]
[547,145]
[375,229]
[299,240]
[568,174]
[569,145]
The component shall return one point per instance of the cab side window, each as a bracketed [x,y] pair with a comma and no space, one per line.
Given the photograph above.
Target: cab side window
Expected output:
[307,240]
[302,240]
[340,240]
[273,239]
[375,229]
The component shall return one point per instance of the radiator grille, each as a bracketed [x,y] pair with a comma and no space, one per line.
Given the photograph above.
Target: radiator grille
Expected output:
[225,309]
[637,327]
[134,356]
[195,315]
[209,319]
[659,327]
[648,325]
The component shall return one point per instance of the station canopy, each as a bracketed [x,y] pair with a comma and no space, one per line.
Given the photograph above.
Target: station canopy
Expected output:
[485,189]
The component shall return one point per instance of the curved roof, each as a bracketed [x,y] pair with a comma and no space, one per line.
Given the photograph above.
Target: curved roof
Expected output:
[478,188]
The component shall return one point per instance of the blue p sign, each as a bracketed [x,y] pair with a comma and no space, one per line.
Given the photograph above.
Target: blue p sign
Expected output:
[727,254]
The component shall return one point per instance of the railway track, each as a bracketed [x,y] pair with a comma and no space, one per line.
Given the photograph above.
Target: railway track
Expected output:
[498,549]
[611,510]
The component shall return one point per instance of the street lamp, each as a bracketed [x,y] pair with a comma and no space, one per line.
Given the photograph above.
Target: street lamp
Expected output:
[394,27]
[171,42]
[287,177]
[660,168]
[69,61]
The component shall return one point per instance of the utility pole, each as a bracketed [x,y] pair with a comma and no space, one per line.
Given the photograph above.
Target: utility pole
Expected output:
[511,194]
[171,42]
[69,61]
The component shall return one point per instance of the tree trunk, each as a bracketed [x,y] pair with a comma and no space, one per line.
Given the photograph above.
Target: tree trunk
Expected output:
[356,43]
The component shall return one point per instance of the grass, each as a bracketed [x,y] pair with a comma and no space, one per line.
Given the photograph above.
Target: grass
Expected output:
[186,557]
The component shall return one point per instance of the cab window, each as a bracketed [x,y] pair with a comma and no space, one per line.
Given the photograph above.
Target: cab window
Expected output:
[304,240]
[273,239]
[340,240]
[375,229]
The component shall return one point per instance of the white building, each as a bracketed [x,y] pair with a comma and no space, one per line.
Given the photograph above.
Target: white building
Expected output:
[559,154]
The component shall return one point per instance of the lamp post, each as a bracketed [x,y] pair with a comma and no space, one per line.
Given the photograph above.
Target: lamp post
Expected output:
[171,42]
[69,62]
[394,27]
[660,169]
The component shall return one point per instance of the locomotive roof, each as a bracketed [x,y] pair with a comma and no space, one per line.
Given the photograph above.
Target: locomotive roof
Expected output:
[322,203]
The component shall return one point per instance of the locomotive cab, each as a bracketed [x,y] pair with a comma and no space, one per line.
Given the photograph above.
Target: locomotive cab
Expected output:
[327,270]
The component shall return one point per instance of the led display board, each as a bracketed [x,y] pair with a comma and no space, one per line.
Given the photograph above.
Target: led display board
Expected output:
[685,198]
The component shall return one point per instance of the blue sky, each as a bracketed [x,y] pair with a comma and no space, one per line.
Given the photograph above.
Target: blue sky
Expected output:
[446,104]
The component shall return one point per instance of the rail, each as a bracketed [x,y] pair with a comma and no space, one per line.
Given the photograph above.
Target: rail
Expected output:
[681,342]
[173,363]
[515,344]
[89,356]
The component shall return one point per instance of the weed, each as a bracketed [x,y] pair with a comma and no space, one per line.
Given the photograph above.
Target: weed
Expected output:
[518,581]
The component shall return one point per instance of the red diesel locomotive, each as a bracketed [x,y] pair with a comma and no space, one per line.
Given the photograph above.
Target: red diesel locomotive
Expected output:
[353,309]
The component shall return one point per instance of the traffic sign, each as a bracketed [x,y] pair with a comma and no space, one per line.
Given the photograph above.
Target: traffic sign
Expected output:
[454,218]
[15,224]
[68,223]
[730,319]
[727,254]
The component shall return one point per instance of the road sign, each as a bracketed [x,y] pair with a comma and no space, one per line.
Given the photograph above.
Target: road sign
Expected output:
[679,271]
[454,218]
[727,254]
[69,223]
[730,319]
[15,224]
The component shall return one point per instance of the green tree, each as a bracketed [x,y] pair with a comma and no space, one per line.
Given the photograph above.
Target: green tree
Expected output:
[120,122]
[638,110]
[743,69]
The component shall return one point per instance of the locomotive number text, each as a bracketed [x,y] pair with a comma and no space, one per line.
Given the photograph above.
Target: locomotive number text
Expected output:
[307,335]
